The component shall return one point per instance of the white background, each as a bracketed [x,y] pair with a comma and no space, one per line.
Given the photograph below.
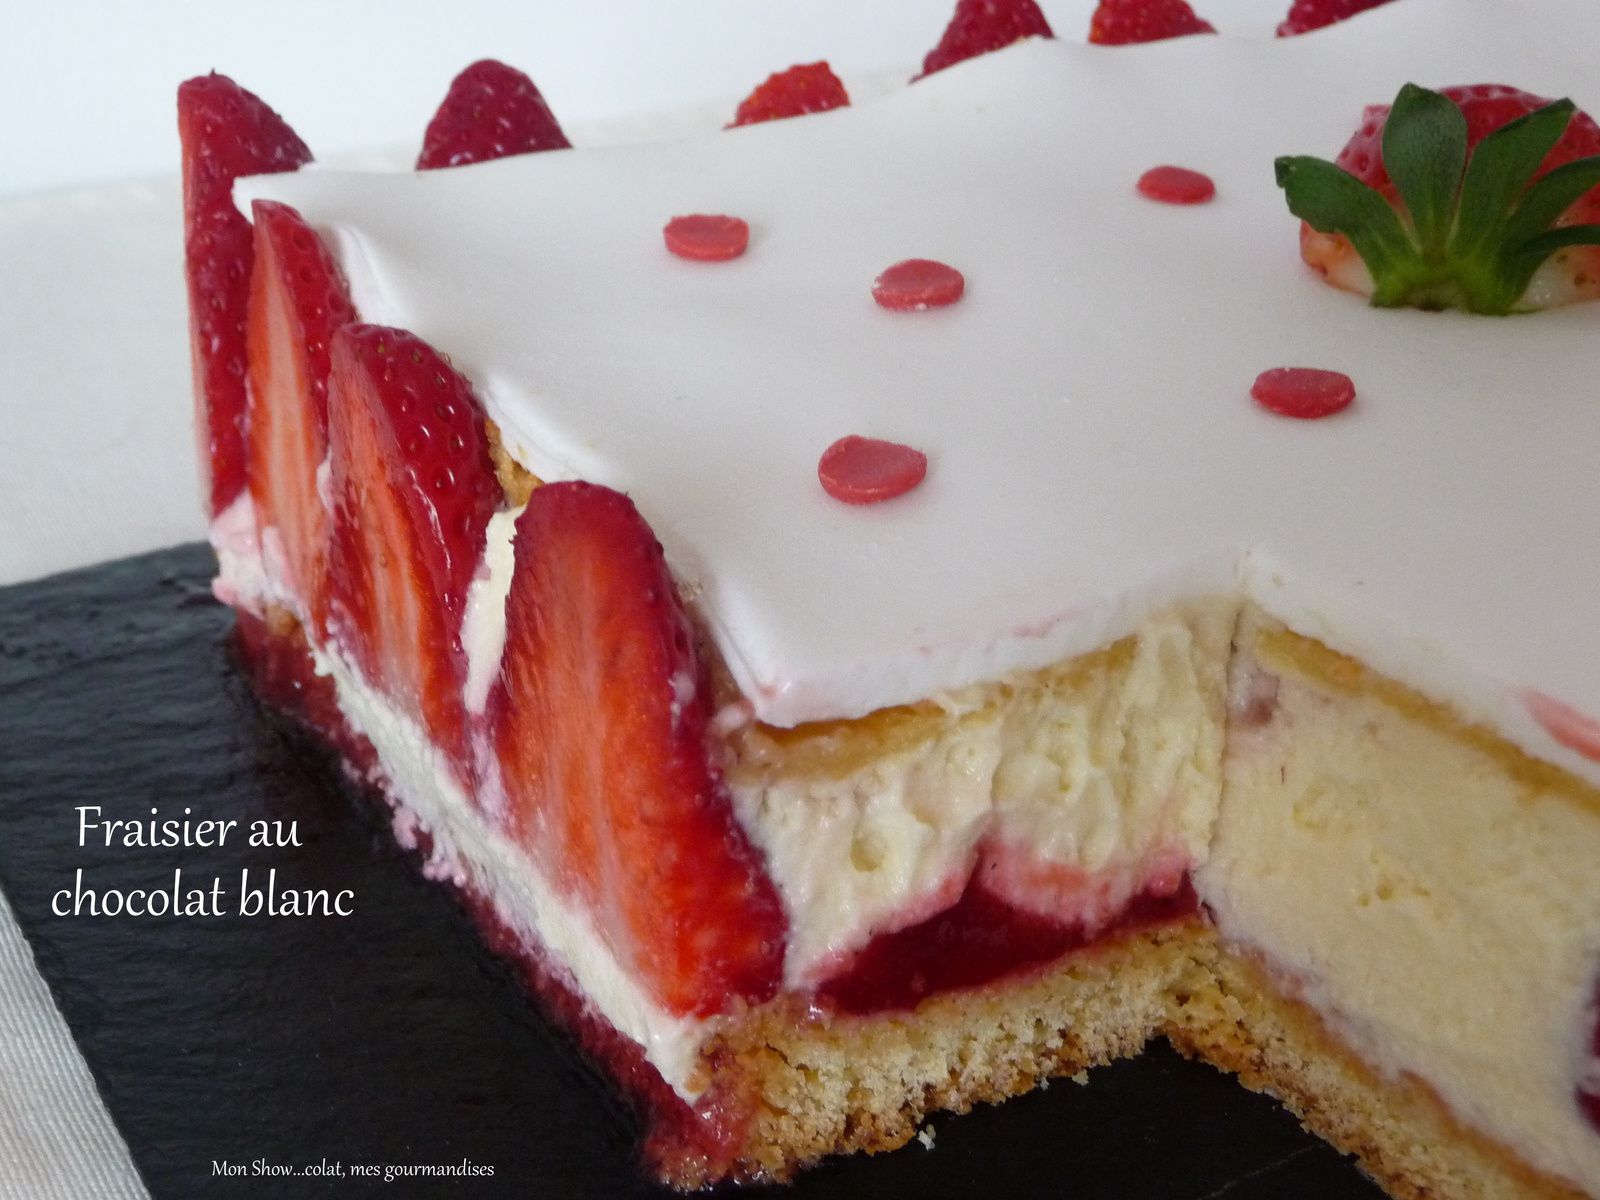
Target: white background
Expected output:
[86,87]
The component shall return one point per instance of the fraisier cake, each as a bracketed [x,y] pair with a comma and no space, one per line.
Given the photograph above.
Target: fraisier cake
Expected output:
[1008,687]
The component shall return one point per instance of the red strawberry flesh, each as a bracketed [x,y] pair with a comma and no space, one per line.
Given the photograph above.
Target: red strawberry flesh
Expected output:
[1306,15]
[979,26]
[225,132]
[413,488]
[1588,1091]
[298,300]
[1487,108]
[491,111]
[976,941]
[599,724]
[799,91]
[1125,22]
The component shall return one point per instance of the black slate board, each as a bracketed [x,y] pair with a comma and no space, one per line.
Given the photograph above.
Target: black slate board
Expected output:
[392,1036]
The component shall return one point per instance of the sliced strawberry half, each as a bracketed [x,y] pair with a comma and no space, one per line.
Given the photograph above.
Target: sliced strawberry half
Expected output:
[1126,22]
[979,26]
[801,90]
[413,488]
[298,300]
[599,724]
[491,111]
[225,132]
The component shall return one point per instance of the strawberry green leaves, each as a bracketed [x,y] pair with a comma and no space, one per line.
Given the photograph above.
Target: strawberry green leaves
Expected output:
[1425,149]
[1472,224]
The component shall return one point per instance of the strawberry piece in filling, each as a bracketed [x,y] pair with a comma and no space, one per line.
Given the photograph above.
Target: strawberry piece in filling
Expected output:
[980,939]
[1565,724]
[298,300]
[491,111]
[225,132]
[598,722]
[800,91]
[412,488]
[1588,1091]
[979,26]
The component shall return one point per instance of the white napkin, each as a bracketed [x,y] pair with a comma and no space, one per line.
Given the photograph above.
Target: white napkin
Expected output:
[56,1138]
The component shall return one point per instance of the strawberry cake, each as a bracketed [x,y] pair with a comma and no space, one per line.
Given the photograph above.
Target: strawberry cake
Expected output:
[877,610]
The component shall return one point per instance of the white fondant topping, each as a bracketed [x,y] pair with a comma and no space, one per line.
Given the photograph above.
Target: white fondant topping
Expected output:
[1094,454]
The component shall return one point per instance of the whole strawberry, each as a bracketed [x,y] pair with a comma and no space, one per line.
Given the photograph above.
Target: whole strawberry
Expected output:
[801,90]
[1125,22]
[491,111]
[979,26]
[1483,198]
[1306,15]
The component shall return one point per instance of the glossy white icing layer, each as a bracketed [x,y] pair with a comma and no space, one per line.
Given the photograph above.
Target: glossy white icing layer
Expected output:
[1094,454]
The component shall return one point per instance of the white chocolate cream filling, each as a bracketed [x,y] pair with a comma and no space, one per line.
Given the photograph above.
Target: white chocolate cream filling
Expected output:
[1081,787]
[1440,912]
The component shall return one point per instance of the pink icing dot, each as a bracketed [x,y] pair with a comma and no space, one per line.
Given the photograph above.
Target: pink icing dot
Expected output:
[1176,185]
[1303,392]
[860,470]
[918,283]
[707,238]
